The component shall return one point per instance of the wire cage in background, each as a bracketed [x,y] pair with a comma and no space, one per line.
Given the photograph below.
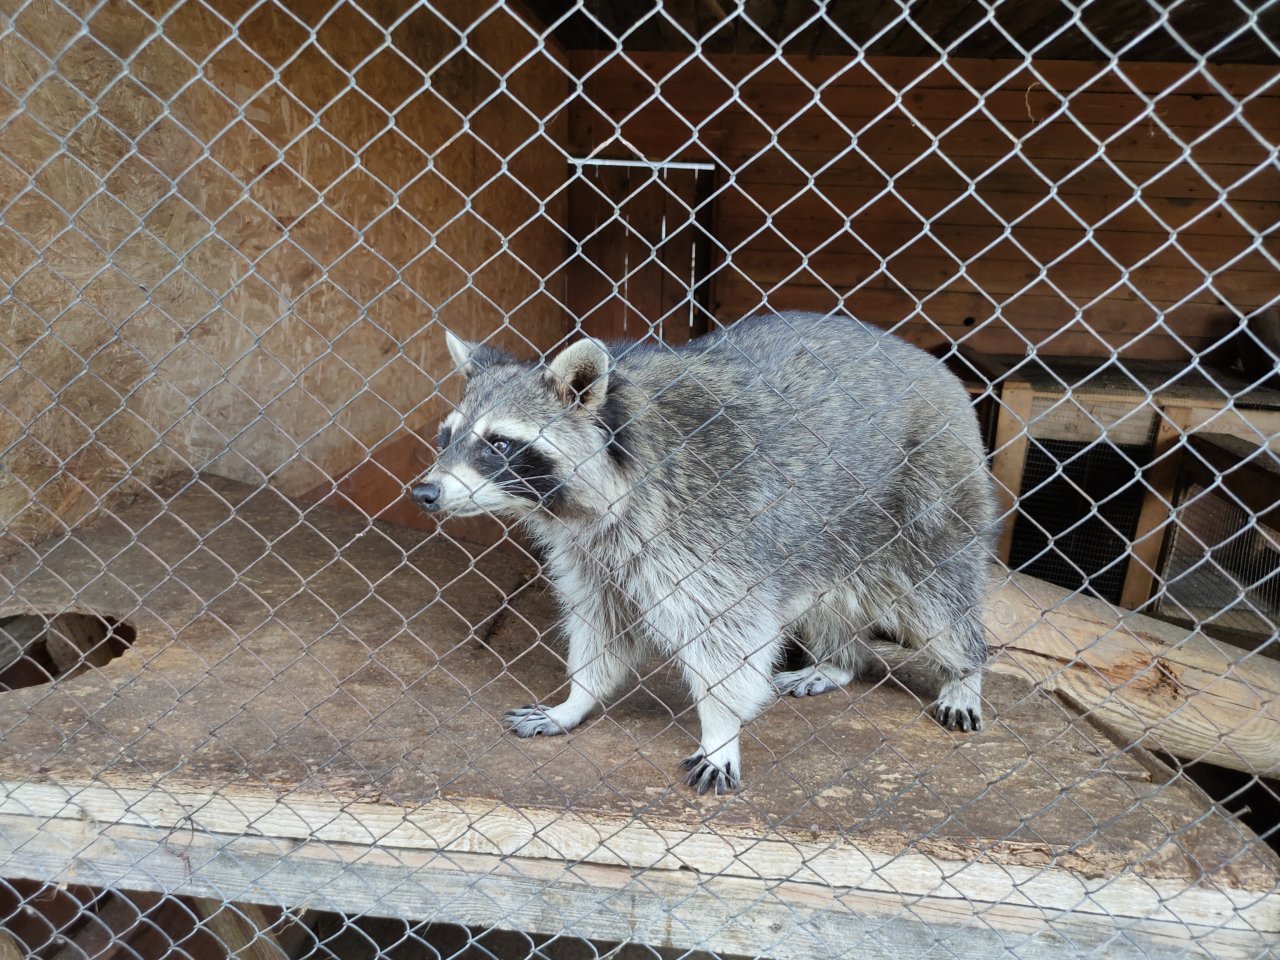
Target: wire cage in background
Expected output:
[251,696]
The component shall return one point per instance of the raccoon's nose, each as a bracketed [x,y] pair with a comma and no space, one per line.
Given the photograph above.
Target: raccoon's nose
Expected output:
[426,495]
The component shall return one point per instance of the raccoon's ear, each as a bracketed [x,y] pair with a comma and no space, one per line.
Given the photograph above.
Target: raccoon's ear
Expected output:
[580,373]
[461,352]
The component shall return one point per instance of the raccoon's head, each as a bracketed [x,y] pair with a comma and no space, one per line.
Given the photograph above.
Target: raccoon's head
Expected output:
[526,437]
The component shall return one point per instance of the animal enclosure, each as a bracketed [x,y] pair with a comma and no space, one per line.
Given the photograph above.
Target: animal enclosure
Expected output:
[251,696]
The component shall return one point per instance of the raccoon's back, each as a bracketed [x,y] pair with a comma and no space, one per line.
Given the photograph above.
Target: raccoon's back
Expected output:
[823,375]
[789,420]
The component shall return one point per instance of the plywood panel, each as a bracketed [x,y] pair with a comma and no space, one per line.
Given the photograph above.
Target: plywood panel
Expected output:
[256,265]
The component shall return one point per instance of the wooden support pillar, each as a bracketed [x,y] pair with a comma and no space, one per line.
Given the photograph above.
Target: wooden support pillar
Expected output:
[1157,505]
[1010,455]
[243,928]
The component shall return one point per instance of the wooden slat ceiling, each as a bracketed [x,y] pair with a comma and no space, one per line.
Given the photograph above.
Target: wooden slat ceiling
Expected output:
[1223,31]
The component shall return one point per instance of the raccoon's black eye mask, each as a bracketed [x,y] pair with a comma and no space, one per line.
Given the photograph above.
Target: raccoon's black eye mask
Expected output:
[523,470]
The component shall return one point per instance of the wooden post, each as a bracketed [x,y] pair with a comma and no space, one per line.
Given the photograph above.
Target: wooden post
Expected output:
[1157,506]
[242,928]
[9,948]
[1010,455]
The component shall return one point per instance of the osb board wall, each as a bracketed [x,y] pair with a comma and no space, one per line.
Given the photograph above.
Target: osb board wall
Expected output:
[809,221]
[228,229]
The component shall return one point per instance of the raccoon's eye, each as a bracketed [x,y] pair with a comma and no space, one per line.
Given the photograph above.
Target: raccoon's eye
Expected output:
[501,444]
[445,436]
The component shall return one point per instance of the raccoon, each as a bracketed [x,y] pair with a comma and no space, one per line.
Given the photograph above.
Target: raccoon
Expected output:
[791,474]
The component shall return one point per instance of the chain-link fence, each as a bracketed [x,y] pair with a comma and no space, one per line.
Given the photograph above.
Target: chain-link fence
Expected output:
[259,700]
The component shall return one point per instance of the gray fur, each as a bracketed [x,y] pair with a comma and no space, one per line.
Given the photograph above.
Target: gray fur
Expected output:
[791,472]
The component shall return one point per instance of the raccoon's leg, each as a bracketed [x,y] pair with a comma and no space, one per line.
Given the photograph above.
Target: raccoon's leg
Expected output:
[601,655]
[728,668]
[830,629]
[954,642]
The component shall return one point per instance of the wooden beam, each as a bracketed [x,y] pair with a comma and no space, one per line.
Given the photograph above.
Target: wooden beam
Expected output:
[1161,477]
[1149,682]
[1010,456]
[677,908]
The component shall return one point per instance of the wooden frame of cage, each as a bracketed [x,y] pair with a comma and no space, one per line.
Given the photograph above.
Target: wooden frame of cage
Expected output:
[1166,418]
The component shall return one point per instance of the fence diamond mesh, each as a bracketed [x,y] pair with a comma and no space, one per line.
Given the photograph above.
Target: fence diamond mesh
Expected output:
[442,469]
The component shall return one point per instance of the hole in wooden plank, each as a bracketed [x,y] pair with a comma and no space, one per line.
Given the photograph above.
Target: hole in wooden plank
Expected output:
[40,648]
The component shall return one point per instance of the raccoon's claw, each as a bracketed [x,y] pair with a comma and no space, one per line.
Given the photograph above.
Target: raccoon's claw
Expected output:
[966,720]
[688,763]
[704,775]
[531,721]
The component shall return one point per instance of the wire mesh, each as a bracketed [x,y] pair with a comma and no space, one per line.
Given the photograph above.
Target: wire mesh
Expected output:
[255,699]
[1221,567]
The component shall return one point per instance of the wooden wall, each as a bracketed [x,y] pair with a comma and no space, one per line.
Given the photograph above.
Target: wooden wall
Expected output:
[227,232]
[806,217]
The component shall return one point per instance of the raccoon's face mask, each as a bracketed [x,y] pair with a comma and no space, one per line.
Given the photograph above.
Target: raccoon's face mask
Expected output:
[518,440]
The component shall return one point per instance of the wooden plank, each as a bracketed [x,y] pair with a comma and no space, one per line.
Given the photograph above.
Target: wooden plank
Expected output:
[997,277]
[1010,456]
[1034,315]
[966,231]
[926,73]
[1152,683]
[897,141]
[1160,479]
[424,764]
[668,908]
[1238,420]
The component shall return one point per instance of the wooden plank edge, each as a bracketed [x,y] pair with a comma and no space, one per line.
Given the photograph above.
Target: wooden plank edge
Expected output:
[1066,881]
[668,908]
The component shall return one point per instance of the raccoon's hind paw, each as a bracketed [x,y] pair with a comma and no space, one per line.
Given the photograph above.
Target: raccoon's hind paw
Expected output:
[704,775]
[959,704]
[811,681]
[532,721]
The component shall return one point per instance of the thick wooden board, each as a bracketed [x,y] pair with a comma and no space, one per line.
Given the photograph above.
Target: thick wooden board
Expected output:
[1146,681]
[316,680]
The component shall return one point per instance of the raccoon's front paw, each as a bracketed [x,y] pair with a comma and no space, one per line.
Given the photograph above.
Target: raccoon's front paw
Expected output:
[703,775]
[965,719]
[530,721]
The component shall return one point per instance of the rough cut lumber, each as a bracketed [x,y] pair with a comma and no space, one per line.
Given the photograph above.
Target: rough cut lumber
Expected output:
[1148,681]
[663,908]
